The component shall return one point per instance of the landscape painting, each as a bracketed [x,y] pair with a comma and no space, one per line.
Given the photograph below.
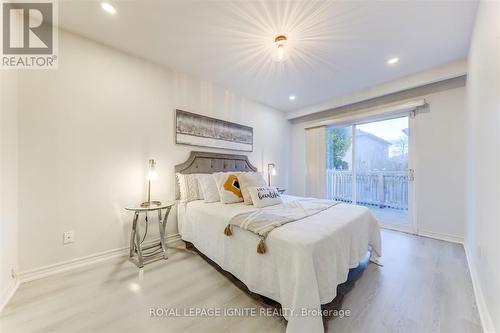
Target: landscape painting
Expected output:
[197,130]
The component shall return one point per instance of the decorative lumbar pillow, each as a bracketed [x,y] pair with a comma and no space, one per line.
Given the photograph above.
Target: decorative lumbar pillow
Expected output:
[228,186]
[250,179]
[208,187]
[264,196]
[188,187]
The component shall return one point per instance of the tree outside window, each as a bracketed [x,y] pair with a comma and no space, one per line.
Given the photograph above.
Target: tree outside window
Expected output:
[338,142]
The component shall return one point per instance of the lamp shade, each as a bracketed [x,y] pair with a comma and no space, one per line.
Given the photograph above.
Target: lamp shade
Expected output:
[271,171]
[152,174]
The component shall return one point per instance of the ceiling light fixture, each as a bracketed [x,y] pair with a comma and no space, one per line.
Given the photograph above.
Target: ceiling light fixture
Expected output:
[280,44]
[392,61]
[292,97]
[108,8]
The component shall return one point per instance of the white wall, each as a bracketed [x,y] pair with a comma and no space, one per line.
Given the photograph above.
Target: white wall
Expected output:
[483,163]
[86,132]
[440,154]
[8,183]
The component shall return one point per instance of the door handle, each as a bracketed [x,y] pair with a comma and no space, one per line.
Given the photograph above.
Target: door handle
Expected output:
[411,175]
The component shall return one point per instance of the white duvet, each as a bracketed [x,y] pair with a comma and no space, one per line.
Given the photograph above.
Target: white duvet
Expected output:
[304,261]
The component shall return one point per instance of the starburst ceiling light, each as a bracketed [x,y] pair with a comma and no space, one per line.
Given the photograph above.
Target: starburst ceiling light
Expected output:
[280,44]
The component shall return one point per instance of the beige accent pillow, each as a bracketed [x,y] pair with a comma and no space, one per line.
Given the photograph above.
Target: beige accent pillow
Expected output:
[200,190]
[208,187]
[250,179]
[264,196]
[228,186]
[189,187]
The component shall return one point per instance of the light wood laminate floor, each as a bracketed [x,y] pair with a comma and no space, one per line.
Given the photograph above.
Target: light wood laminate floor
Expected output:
[425,286]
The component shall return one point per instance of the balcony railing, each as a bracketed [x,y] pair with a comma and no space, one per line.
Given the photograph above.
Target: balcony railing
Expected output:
[384,189]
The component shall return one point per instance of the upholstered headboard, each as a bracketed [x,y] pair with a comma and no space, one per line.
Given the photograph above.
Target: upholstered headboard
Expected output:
[205,162]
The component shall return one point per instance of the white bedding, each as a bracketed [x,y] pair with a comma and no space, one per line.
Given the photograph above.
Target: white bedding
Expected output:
[304,261]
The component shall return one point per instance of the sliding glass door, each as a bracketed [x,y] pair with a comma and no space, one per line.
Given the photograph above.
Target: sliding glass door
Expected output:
[381,168]
[368,164]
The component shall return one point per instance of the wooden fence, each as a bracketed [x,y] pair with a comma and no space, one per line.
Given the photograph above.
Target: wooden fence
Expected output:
[385,189]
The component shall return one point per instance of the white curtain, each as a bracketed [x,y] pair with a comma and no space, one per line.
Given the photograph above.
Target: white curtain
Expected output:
[316,162]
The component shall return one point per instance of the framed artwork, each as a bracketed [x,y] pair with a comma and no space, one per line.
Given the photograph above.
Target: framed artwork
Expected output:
[197,130]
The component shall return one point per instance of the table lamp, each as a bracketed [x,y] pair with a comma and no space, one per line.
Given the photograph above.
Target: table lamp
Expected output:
[151,176]
[271,171]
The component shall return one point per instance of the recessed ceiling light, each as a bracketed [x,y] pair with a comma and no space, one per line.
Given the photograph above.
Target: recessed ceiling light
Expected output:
[392,61]
[108,8]
[292,97]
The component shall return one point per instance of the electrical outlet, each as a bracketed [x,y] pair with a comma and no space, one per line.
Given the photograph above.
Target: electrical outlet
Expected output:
[69,237]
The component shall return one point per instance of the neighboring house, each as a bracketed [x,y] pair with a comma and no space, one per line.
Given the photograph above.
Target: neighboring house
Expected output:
[372,152]
[399,154]
[375,153]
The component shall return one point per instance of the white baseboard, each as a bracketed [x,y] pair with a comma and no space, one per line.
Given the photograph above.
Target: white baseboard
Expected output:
[8,293]
[424,233]
[440,236]
[65,266]
[395,227]
[484,314]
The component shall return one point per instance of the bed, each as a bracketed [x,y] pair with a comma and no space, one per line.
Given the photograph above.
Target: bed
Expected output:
[305,260]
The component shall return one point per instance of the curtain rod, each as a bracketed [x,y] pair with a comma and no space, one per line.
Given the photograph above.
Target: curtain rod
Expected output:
[373,113]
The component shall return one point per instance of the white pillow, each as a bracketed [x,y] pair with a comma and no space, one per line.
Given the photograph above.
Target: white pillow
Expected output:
[200,190]
[188,187]
[208,187]
[265,196]
[250,179]
[228,186]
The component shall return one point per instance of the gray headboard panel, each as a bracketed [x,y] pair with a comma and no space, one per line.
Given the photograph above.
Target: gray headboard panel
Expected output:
[205,162]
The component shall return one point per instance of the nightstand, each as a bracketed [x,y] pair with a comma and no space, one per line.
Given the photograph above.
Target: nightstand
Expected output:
[152,252]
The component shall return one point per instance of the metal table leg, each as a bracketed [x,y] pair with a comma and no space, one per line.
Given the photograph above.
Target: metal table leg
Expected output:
[138,246]
[132,234]
[161,225]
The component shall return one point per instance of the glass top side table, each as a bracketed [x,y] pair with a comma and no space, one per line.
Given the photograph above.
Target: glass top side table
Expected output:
[152,252]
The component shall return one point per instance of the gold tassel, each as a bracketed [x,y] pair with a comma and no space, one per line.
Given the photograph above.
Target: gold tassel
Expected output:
[261,248]
[228,231]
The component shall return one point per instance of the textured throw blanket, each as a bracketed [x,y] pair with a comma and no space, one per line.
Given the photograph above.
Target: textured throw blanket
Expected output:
[262,221]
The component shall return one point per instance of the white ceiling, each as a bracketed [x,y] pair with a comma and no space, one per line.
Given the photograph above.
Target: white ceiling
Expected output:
[334,47]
